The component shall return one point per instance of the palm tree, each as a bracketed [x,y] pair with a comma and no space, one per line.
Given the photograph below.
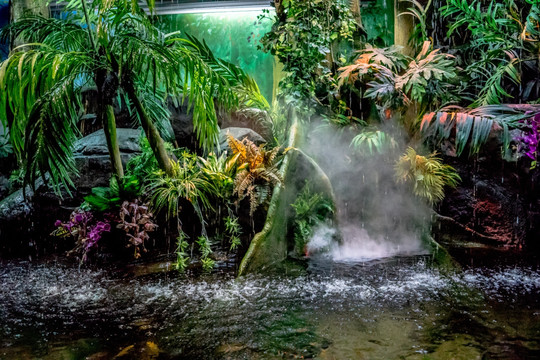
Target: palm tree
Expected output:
[114,46]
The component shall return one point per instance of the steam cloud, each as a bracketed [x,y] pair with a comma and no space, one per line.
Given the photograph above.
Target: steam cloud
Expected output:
[377,217]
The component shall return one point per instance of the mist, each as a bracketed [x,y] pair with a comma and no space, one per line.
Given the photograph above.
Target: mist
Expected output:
[376,216]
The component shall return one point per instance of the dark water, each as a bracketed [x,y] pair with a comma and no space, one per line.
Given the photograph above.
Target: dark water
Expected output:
[396,308]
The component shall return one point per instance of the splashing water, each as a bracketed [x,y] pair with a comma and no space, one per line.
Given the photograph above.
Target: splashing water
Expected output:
[391,308]
[358,245]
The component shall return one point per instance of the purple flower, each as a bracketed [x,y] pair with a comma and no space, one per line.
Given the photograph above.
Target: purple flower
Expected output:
[78,218]
[57,223]
[531,137]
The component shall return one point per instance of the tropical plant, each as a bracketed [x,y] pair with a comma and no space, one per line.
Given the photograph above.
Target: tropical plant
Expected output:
[426,175]
[233,230]
[310,210]
[113,45]
[111,197]
[372,141]
[220,172]
[394,84]
[257,171]
[136,221]
[86,229]
[141,166]
[185,184]
[305,37]
[497,43]
[472,127]
[206,250]
[182,257]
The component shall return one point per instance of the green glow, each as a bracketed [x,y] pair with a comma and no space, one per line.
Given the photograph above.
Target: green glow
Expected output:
[232,36]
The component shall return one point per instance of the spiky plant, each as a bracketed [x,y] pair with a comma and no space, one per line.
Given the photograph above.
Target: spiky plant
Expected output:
[257,171]
[219,171]
[427,175]
[185,183]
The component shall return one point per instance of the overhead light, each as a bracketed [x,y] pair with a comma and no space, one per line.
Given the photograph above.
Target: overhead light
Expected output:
[168,7]
[219,6]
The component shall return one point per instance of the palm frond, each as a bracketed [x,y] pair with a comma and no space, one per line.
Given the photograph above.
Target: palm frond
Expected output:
[473,126]
[41,90]
[250,93]
[58,34]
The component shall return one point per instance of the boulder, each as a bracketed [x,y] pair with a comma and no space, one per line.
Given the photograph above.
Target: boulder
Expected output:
[491,203]
[240,134]
[182,124]
[252,118]
[96,144]
[92,157]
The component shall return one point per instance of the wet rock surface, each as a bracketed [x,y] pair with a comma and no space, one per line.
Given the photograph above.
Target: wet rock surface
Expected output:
[492,204]
[93,161]
[240,134]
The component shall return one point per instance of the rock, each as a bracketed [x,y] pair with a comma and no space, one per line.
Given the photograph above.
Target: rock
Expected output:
[182,125]
[252,118]
[34,216]
[491,201]
[240,134]
[96,144]
[4,186]
[92,157]
[14,208]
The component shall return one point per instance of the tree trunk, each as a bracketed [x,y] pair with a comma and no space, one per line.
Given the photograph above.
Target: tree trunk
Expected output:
[109,126]
[19,8]
[152,133]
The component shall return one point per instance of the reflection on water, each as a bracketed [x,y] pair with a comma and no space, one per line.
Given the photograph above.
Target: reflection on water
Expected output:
[401,307]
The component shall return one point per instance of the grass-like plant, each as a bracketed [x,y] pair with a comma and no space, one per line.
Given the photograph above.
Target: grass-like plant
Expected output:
[186,182]
[426,175]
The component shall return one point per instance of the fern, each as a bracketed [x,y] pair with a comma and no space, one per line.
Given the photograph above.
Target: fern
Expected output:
[257,171]
[310,210]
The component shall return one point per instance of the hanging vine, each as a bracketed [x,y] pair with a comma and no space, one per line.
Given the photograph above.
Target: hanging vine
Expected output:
[310,39]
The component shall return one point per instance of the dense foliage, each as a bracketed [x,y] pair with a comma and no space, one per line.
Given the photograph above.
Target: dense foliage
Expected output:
[310,39]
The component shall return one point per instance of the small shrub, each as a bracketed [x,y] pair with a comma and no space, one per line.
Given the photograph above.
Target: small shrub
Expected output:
[310,209]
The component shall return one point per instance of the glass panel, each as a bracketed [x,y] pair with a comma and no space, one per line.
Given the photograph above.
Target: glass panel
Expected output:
[232,36]
[4,20]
